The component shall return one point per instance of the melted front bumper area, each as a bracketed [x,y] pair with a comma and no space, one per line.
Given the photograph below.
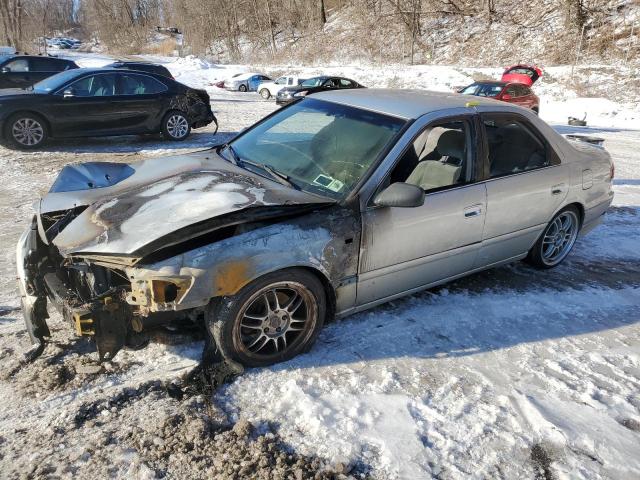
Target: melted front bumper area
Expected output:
[106,318]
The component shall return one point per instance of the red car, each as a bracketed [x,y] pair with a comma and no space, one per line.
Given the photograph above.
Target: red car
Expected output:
[514,87]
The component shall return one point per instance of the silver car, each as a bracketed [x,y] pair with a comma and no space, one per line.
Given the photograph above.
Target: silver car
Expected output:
[332,205]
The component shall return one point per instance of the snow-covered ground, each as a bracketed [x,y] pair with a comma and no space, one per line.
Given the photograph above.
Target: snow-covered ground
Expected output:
[510,373]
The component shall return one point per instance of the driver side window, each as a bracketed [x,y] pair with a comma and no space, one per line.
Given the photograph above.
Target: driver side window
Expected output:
[438,158]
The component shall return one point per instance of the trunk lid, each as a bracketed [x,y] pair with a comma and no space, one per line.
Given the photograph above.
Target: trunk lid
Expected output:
[520,73]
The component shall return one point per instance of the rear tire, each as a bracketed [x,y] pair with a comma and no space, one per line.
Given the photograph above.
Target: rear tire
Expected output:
[25,131]
[175,126]
[242,88]
[557,239]
[271,320]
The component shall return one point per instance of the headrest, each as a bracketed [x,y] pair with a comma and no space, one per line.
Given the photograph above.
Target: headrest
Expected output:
[451,144]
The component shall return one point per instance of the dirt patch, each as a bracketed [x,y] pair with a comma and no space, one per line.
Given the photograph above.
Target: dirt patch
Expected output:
[542,460]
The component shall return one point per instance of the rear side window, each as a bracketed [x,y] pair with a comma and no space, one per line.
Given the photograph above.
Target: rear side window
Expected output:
[132,84]
[48,65]
[344,83]
[18,65]
[94,86]
[511,90]
[513,147]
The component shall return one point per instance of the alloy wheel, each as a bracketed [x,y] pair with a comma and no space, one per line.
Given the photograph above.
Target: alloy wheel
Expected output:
[275,319]
[27,131]
[177,126]
[559,238]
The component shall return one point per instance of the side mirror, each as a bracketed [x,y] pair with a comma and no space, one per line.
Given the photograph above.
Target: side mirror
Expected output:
[400,194]
[506,96]
[68,93]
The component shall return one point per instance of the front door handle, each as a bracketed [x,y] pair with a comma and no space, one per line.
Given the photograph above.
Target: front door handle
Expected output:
[472,211]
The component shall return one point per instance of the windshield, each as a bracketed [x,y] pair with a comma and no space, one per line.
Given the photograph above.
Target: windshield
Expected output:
[312,82]
[320,146]
[483,90]
[53,83]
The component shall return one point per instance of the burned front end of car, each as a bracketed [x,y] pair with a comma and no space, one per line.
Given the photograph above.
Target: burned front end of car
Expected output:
[118,248]
[90,297]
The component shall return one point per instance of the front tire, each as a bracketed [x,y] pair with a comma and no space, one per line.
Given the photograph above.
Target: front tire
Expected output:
[25,131]
[175,126]
[265,93]
[556,240]
[271,320]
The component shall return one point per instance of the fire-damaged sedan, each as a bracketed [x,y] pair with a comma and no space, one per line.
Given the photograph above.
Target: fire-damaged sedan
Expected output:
[101,102]
[330,206]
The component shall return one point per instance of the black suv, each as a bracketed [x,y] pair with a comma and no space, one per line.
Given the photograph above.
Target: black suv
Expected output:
[142,67]
[21,71]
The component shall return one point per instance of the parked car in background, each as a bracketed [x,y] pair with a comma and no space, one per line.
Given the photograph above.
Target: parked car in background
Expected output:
[271,89]
[63,43]
[4,51]
[246,82]
[101,102]
[516,93]
[21,71]
[141,67]
[370,195]
[312,85]
[521,73]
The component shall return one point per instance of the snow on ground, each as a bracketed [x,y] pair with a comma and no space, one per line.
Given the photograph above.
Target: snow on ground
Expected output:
[510,373]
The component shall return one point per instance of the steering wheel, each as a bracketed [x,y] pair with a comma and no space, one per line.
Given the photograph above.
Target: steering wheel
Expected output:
[305,155]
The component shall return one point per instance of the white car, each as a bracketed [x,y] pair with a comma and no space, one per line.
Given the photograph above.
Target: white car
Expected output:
[271,89]
[246,82]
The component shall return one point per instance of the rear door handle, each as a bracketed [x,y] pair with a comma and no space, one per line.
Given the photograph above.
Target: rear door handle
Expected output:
[472,211]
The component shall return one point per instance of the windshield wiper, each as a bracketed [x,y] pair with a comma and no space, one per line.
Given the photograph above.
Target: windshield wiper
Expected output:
[279,177]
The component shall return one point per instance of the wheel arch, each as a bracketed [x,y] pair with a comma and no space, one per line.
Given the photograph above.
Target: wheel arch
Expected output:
[31,112]
[260,273]
[578,206]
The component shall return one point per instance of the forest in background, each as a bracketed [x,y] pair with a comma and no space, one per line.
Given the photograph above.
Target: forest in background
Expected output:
[312,31]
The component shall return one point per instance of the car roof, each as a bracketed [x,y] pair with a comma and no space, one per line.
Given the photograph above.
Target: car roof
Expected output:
[135,62]
[490,82]
[25,55]
[409,104]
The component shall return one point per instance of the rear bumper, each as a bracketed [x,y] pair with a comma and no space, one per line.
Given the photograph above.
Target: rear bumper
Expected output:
[595,215]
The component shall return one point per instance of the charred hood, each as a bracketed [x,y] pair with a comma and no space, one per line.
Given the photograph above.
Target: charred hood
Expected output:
[135,209]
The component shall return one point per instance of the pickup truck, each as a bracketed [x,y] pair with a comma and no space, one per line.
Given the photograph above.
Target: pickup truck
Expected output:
[271,89]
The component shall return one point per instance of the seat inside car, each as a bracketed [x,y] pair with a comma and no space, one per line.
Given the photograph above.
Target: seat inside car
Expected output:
[440,166]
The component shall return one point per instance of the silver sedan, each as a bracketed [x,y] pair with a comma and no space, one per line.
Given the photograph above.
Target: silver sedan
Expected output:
[332,205]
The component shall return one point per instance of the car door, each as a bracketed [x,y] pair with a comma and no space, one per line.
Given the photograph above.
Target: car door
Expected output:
[84,106]
[404,249]
[526,184]
[138,103]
